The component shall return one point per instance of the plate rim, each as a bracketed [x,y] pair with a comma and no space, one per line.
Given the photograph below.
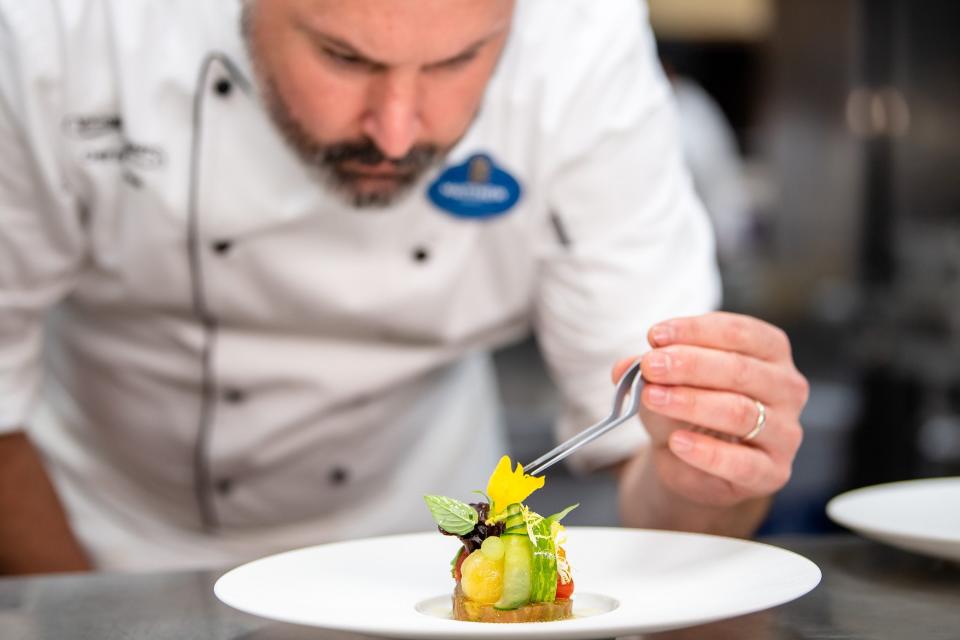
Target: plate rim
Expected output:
[811,574]
[853,494]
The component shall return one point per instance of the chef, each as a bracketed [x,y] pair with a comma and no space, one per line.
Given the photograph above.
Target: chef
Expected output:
[253,256]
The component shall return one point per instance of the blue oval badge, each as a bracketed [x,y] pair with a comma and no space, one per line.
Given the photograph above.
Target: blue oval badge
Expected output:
[478,188]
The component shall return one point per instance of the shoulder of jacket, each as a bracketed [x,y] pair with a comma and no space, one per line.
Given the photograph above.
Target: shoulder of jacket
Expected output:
[33,35]
[559,48]
[560,42]
[40,21]
[556,25]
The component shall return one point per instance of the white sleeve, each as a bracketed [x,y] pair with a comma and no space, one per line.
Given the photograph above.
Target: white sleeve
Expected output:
[636,246]
[40,236]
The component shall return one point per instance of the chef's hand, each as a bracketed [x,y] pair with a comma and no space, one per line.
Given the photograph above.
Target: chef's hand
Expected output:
[704,379]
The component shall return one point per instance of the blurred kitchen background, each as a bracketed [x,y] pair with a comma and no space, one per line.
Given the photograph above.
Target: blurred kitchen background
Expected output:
[824,136]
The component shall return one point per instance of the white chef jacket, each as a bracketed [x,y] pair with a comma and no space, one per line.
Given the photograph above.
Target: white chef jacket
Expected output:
[219,359]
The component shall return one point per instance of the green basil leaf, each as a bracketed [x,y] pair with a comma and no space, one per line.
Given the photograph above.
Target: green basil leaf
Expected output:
[452,515]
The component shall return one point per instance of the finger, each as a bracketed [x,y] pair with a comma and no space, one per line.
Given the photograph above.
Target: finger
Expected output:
[727,331]
[731,413]
[746,467]
[724,371]
[621,367]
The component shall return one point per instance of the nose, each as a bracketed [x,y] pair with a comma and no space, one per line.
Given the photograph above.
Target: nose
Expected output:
[392,119]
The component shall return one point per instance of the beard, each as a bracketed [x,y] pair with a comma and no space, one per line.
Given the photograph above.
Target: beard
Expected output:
[345,167]
[339,165]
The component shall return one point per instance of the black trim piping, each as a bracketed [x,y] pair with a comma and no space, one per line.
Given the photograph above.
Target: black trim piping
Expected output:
[560,230]
[202,476]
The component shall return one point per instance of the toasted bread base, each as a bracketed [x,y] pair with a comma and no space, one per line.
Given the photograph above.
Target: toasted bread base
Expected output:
[470,611]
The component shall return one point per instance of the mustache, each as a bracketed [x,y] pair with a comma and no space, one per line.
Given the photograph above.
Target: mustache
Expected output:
[367,153]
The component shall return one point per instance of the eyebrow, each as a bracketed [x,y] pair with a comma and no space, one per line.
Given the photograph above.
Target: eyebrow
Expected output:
[327,39]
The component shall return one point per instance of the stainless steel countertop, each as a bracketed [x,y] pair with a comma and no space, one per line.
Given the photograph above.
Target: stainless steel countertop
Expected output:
[868,591]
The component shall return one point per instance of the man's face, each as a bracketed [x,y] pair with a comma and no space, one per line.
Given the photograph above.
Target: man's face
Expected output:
[372,93]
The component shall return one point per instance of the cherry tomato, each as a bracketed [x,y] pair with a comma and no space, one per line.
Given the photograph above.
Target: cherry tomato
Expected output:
[564,591]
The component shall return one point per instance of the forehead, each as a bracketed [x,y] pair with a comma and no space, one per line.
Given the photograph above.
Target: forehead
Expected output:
[400,31]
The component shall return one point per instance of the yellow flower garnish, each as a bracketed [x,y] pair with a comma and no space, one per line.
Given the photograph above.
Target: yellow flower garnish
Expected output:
[507,487]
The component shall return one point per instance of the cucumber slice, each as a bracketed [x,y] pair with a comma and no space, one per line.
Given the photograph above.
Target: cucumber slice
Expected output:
[514,522]
[544,563]
[517,565]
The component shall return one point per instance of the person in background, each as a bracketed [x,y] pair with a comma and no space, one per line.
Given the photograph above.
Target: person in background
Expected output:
[713,158]
[253,256]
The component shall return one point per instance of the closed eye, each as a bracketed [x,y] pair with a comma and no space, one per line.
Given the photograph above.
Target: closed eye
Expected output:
[346,59]
[350,61]
[454,63]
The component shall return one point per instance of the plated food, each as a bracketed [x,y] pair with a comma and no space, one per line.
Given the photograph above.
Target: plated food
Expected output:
[511,566]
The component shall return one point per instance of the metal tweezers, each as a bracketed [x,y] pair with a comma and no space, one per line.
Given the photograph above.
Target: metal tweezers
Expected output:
[630,384]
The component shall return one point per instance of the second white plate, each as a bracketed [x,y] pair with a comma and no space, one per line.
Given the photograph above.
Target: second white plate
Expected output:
[916,515]
[628,581]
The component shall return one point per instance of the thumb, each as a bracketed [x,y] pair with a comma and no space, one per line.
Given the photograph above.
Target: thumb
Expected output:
[621,367]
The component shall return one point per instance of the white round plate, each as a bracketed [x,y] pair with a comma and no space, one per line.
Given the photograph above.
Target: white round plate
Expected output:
[627,581]
[916,515]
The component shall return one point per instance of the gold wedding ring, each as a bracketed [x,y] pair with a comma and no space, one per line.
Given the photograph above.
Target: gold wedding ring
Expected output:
[761,420]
